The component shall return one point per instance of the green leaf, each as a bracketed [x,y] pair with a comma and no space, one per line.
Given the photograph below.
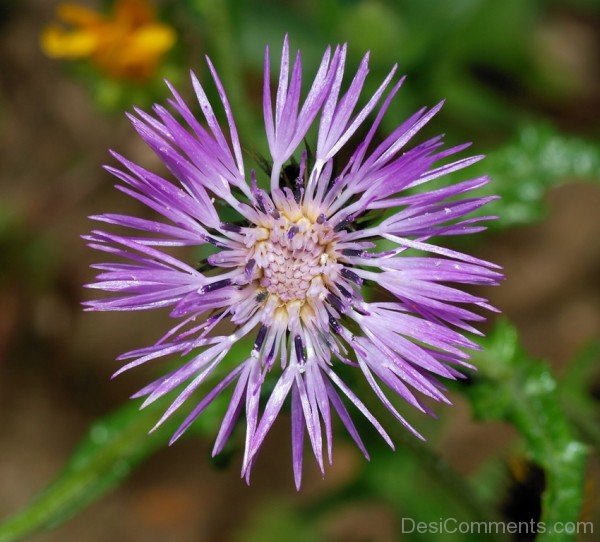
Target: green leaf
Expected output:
[112,448]
[375,27]
[580,406]
[515,388]
[524,171]
[442,492]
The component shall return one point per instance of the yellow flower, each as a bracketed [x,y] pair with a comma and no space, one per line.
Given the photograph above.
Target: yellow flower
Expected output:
[128,43]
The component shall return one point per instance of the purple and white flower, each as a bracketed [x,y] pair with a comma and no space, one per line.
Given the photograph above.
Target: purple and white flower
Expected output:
[289,272]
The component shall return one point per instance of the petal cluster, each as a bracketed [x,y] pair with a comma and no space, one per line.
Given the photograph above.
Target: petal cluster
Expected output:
[289,275]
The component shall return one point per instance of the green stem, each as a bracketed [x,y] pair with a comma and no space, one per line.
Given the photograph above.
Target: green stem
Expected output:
[517,389]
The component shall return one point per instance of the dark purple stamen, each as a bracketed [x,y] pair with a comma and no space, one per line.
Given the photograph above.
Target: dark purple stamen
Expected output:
[214,242]
[336,302]
[335,325]
[300,354]
[260,203]
[217,285]
[341,225]
[345,293]
[351,275]
[353,252]
[321,219]
[249,267]
[228,226]
[270,355]
[293,231]
[298,190]
[261,296]
[212,319]
[260,338]
[362,311]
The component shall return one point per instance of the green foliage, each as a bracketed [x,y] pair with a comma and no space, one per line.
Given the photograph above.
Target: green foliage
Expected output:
[279,521]
[113,447]
[517,389]
[539,159]
[442,492]
[575,394]
[373,26]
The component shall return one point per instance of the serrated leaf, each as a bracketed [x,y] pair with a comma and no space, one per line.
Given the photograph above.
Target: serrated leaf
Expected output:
[525,170]
[513,387]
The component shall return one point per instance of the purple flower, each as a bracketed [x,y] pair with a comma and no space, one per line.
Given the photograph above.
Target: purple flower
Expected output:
[289,271]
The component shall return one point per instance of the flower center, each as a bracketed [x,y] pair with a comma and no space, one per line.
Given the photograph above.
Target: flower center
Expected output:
[295,257]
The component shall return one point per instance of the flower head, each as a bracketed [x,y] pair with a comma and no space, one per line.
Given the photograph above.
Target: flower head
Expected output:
[128,43]
[291,270]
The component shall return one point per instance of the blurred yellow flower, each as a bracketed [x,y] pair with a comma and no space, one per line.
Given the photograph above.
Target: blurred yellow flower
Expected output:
[128,43]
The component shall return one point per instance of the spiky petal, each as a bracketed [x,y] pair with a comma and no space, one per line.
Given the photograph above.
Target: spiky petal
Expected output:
[290,273]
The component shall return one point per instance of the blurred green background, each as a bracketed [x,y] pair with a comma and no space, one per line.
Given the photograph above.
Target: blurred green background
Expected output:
[522,81]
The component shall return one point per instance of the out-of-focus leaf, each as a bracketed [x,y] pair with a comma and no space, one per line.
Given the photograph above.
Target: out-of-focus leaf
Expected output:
[113,447]
[575,394]
[515,388]
[215,17]
[525,170]
[274,522]
[261,23]
[373,26]
[442,492]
